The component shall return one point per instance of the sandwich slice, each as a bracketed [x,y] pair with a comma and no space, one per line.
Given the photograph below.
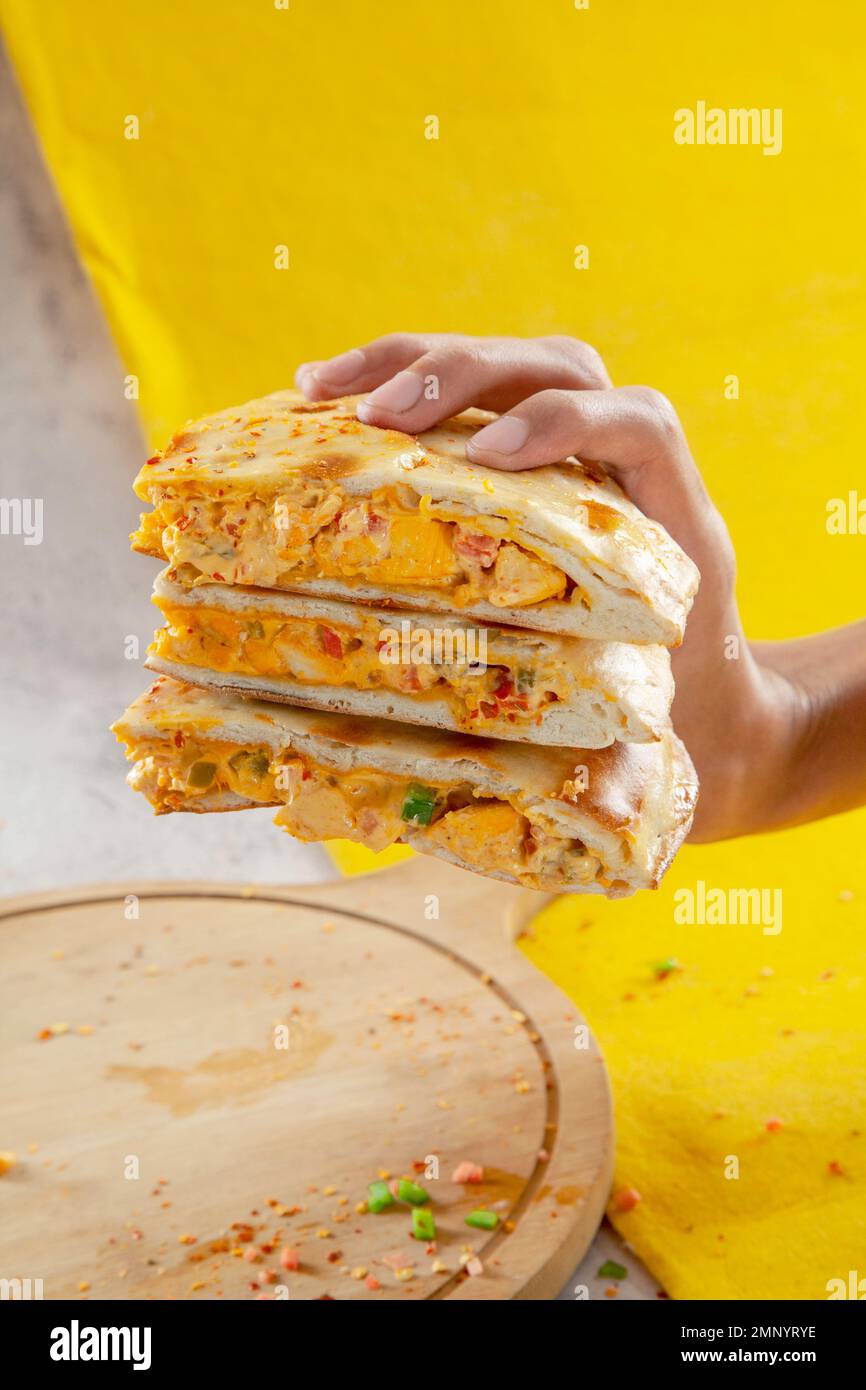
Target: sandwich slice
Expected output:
[426,668]
[284,494]
[600,821]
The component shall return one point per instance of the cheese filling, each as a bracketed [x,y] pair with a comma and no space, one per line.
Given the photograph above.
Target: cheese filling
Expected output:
[370,807]
[512,685]
[317,531]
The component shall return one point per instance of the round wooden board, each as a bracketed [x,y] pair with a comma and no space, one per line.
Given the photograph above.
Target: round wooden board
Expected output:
[257,1056]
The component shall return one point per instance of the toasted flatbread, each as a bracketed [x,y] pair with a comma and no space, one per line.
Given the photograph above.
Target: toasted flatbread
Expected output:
[283,494]
[605,820]
[421,668]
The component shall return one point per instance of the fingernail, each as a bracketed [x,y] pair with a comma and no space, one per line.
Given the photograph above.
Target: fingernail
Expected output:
[341,369]
[396,395]
[306,381]
[504,436]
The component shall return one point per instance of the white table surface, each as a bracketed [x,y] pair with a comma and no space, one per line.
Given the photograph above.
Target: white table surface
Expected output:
[69,436]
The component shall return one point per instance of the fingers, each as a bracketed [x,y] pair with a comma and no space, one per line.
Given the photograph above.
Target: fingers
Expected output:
[422,379]
[624,426]
[633,430]
[361,369]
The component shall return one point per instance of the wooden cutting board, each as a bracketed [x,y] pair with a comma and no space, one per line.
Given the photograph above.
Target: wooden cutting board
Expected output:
[230,1068]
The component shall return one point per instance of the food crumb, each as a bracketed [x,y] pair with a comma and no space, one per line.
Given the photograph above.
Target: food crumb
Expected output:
[468,1172]
[627,1199]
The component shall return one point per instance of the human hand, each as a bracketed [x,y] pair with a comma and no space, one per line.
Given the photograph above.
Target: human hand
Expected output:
[747,719]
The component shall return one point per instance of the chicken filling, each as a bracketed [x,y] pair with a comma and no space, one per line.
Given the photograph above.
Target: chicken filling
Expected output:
[508,684]
[370,807]
[317,532]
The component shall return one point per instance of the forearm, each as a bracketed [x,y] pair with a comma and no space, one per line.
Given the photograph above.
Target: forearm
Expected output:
[825,768]
[789,722]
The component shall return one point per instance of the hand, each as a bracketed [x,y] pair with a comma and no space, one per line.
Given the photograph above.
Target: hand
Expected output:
[768,727]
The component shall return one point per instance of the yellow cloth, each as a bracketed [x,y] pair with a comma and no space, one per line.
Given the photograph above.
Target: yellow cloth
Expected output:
[748,1029]
[263,127]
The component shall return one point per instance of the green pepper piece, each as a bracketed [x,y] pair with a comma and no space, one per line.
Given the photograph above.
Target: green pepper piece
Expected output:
[423,1225]
[525,678]
[418,804]
[379,1196]
[255,629]
[483,1220]
[611,1270]
[253,764]
[409,1191]
[201,775]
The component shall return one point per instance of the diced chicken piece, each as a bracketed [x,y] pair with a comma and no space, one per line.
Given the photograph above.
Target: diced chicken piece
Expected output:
[323,812]
[489,835]
[295,525]
[520,578]
[319,812]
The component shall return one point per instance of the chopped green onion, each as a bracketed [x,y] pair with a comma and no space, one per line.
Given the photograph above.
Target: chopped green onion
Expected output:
[666,967]
[423,1225]
[483,1220]
[201,775]
[379,1196]
[409,1191]
[611,1270]
[525,678]
[418,804]
[255,629]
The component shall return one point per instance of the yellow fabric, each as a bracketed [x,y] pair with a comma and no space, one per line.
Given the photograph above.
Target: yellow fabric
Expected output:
[357,859]
[262,127]
[702,1059]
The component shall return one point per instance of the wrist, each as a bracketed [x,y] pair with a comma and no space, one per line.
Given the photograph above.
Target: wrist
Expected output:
[752,773]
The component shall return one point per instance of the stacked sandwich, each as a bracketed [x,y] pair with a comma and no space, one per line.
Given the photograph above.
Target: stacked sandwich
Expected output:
[388,643]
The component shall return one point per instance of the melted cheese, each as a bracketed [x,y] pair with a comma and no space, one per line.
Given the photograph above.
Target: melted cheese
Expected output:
[516,687]
[365,805]
[315,530]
